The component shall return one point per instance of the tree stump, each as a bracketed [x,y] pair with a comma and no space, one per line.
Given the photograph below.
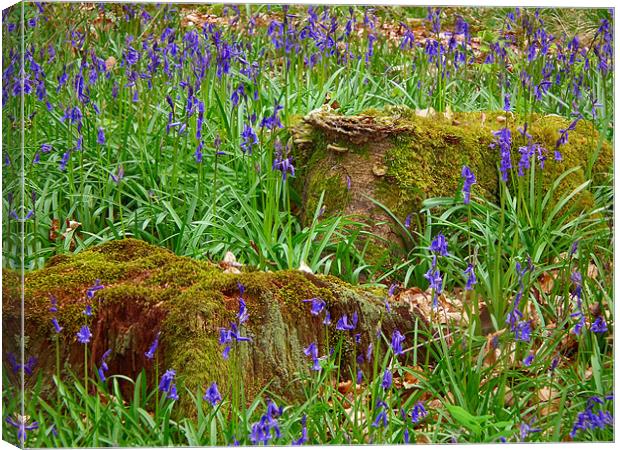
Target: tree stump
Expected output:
[148,289]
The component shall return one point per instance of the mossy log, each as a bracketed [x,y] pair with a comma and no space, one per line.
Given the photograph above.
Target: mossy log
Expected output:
[401,157]
[149,289]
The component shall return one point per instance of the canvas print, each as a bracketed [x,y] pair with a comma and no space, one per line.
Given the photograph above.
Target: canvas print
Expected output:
[261,224]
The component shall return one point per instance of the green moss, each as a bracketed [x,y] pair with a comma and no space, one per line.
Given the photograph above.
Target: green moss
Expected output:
[150,289]
[425,155]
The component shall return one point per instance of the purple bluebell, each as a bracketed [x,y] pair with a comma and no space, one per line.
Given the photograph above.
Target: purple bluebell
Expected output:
[528,360]
[150,354]
[317,305]
[392,289]
[344,325]
[471,277]
[381,418]
[439,245]
[166,380]
[103,368]
[526,429]
[469,179]
[328,318]
[21,423]
[523,331]
[88,311]
[46,148]
[313,352]
[120,174]
[30,365]
[503,140]
[435,281]
[57,326]
[64,160]
[100,136]
[84,335]
[589,419]
[212,395]
[54,304]
[90,292]
[408,221]
[397,342]
[599,325]
[418,412]
[386,383]
[304,432]
[250,139]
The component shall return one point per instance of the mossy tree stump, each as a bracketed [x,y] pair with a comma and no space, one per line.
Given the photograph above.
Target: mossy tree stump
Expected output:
[401,157]
[148,289]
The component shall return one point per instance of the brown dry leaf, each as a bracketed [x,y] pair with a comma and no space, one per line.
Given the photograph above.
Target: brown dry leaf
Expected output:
[422,439]
[546,281]
[357,417]
[426,112]
[230,264]
[588,373]
[344,387]
[550,399]
[110,63]
[410,380]
[54,228]
[592,271]
[492,349]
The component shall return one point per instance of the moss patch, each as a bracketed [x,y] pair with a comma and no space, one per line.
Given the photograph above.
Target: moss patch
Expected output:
[423,157]
[149,289]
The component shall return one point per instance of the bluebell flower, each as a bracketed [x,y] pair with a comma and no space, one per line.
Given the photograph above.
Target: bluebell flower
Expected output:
[46,148]
[243,314]
[100,136]
[439,245]
[250,139]
[57,326]
[317,305]
[304,432]
[381,418]
[471,277]
[120,174]
[328,318]
[588,419]
[64,160]
[166,380]
[150,354]
[523,331]
[408,221]
[212,395]
[54,304]
[103,368]
[397,342]
[599,325]
[90,292]
[526,429]
[172,393]
[503,140]
[84,335]
[313,352]
[529,359]
[21,423]
[418,412]
[386,383]
[88,311]
[435,281]
[344,325]
[469,180]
